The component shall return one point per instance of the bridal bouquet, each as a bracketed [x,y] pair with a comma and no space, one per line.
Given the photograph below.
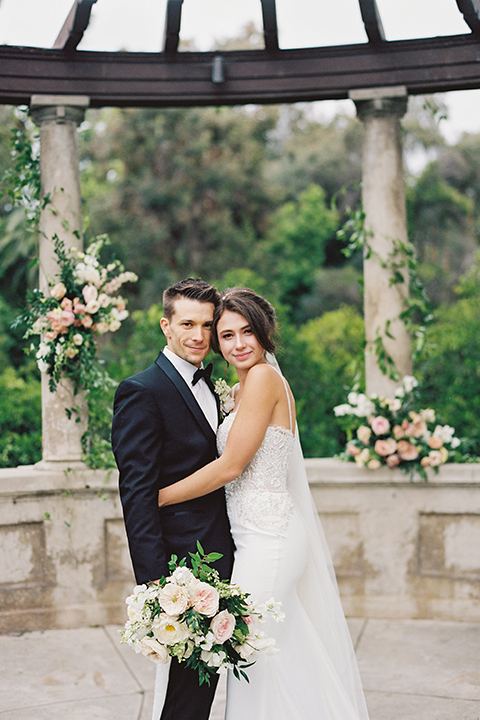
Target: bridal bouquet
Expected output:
[192,615]
[83,302]
[393,432]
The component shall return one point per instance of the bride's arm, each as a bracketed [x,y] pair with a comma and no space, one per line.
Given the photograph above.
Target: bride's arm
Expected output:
[260,395]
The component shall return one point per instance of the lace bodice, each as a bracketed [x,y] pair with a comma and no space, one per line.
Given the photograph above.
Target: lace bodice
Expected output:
[260,494]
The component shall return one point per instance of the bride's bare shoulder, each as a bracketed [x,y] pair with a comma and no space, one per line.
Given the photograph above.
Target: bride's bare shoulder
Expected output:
[263,373]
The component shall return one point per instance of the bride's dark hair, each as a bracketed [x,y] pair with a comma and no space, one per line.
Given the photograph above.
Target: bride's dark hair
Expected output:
[258,312]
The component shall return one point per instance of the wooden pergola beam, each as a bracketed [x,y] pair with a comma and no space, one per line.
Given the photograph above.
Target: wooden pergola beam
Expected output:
[470,10]
[253,76]
[372,21]
[74,26]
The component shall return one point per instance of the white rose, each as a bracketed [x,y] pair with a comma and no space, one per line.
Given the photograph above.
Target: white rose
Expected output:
[92,307]
[104,300]
[78,339]
[173,599]
[58,291]
[153,650]
[114,325]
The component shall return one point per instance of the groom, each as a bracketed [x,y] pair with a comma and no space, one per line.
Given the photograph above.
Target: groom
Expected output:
[164,428]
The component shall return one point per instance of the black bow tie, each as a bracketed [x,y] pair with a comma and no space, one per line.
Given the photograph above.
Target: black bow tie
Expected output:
[205,374]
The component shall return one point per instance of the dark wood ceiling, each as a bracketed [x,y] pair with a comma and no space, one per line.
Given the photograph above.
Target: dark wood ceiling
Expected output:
[272,75]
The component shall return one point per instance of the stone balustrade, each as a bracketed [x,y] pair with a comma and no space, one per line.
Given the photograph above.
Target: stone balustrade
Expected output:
[400,549]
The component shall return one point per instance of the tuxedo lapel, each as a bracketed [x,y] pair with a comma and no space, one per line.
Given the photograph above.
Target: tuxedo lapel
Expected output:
[182,387]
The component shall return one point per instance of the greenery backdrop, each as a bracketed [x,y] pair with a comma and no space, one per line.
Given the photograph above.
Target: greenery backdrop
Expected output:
[255,196]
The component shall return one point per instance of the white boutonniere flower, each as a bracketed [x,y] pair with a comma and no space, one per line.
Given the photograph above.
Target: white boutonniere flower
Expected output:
[224,393]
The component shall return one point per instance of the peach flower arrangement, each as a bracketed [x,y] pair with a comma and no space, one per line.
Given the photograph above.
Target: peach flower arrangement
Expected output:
[391,432]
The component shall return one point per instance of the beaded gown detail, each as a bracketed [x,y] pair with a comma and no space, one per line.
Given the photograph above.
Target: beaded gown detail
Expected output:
[303,681]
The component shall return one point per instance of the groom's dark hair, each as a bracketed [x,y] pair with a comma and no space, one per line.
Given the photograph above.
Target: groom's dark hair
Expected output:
[191,288]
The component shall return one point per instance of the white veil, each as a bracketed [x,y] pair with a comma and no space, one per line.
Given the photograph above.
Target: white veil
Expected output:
[317,590]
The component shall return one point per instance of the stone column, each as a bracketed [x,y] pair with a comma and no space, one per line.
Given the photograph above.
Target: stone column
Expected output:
[383,198]
[58,118]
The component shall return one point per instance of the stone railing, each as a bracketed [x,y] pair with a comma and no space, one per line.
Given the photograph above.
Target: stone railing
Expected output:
[401,549]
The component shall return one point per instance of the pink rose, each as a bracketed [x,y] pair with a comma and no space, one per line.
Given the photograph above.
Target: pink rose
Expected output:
[392,461]
[204,598]
[379,425]
[385,447]
[87,321]
[406,451]
[425,461]
[435,442]
[353,450]
[398,432]
[222,626]
[68,318]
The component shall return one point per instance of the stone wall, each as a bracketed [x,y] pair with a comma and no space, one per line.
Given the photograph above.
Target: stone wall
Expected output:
[401,549]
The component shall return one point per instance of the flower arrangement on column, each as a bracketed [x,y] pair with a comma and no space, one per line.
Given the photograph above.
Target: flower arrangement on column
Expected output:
[396,432]
[83,303]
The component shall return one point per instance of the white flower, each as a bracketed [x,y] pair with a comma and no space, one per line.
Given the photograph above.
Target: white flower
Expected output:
[173,599]
[445,432]
[78,339]
[114,325]
[365,407]
[409,382]
[341,410]
[58,291]
[151,648]
[92,307]
[87,273]
[168,630]
[182,575]
[119,314]
[104,300]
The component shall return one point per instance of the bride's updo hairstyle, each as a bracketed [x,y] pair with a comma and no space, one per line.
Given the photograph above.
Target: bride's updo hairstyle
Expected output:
[257,311]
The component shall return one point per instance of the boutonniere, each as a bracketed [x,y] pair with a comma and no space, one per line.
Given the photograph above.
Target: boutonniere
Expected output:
[223,391]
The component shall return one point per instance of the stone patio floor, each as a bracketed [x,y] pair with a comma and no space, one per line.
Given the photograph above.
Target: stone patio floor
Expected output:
[411,670]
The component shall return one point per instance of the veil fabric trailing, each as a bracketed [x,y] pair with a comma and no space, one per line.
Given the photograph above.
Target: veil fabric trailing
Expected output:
[318,590]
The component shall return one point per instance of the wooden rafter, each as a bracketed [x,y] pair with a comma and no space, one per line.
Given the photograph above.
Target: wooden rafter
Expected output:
[75,25]
[131,79]
[172,26]
[470,10]
[372,21]
[270,30]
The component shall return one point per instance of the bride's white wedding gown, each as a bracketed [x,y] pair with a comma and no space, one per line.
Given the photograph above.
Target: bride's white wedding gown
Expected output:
[280,553]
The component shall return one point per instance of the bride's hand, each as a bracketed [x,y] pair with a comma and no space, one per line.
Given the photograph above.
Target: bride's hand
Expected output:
[162,500]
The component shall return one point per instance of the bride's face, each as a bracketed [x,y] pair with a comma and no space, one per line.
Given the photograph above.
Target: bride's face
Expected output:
[237,342]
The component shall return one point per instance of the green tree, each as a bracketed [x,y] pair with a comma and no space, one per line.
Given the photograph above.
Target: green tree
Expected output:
[295,244]
[450,372]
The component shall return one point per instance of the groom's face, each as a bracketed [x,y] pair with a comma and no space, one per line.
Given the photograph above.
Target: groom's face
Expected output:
[189,329]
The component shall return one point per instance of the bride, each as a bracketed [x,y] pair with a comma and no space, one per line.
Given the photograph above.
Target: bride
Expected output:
[280,547]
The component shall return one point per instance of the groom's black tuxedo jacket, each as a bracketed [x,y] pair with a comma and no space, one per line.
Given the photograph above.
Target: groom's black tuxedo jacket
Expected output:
[160,435]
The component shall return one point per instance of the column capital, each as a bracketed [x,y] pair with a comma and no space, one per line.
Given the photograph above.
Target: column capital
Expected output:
[380,102]
[59,109]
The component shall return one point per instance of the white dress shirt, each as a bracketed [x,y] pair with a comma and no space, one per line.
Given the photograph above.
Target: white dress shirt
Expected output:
[201,392]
